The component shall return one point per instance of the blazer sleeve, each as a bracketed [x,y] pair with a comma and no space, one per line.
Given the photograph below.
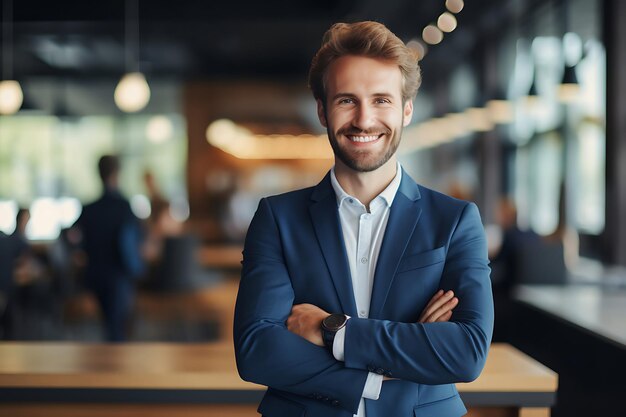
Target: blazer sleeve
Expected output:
[266,352]
[436,353]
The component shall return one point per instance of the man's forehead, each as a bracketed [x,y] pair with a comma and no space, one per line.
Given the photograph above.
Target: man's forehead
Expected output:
[359,73]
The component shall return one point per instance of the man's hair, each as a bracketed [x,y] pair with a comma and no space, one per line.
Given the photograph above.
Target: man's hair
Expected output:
[368,39]
[108,165]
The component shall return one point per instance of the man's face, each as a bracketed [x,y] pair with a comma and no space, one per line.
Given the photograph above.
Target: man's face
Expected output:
[364,113]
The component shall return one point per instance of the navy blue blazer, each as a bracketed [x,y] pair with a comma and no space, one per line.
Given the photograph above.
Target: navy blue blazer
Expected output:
[294,253]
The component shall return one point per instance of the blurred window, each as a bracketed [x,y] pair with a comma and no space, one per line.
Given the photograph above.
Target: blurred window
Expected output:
[51,161]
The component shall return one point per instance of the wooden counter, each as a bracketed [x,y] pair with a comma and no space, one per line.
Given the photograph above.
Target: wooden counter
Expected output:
[154,379]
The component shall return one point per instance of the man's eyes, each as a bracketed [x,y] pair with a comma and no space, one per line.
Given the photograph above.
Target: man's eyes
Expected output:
[379,100]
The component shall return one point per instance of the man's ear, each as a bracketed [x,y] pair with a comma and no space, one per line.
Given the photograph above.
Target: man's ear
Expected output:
[407,113]
[321,113]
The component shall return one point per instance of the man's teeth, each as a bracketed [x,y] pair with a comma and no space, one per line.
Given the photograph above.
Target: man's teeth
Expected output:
[363,138]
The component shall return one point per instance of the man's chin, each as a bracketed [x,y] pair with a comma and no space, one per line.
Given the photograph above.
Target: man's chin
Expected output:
[363,166]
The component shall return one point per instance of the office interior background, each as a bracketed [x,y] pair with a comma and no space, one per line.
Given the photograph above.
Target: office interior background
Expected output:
[521,110]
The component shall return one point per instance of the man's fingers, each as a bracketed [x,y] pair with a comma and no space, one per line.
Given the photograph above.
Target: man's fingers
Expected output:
[437,303]
[445,317]
[444,312]
[435,297]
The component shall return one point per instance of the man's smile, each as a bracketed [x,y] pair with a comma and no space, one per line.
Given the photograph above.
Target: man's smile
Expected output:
[364,138]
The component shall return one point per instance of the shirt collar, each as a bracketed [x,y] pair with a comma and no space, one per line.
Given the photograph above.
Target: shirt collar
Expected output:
[388,194]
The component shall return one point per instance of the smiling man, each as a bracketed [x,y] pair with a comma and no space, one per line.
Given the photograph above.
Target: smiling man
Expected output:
[367,294]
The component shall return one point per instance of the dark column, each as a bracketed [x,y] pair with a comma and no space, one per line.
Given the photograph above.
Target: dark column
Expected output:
[490,142]
[615,42]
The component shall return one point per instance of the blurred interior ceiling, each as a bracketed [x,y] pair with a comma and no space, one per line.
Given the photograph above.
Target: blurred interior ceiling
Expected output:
[83,41]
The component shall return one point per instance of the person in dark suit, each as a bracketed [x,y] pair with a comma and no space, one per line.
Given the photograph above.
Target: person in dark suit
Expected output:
[337,278]
[15,254]
[111,239]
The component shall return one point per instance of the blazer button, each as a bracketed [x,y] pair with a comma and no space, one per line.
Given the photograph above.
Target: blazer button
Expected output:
[336,403]
[380,371]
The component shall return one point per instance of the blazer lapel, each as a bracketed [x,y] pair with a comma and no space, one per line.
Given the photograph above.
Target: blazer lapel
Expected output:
[403,217]
[327,227]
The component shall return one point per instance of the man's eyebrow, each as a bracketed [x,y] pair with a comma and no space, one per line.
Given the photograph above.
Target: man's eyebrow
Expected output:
[341,95]
[381,94]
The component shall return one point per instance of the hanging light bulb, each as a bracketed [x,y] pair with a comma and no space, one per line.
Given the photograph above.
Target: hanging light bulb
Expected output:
[11,96]
[132,93]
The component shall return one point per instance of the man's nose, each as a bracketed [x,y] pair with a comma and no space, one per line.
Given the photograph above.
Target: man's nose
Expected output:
[364,117]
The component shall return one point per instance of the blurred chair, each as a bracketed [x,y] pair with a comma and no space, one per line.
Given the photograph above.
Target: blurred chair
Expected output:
[541,262]
[179,270]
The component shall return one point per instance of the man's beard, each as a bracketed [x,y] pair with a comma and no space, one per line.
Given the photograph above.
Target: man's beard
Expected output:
[360,164]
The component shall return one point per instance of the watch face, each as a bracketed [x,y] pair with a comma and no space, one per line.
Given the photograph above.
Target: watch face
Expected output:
[334,321]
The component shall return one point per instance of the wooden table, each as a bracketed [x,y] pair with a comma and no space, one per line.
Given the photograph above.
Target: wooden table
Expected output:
[157,379]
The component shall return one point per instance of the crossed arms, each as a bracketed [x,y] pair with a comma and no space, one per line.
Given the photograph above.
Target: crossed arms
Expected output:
[430,352]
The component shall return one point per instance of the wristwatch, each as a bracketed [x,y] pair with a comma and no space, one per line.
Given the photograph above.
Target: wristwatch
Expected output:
[330,326]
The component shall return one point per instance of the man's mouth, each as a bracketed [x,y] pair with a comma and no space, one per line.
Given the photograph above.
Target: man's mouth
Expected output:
[364,138]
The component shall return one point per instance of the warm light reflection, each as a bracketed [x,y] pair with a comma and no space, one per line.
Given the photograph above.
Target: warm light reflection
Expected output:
[500,111]
[140,205]
[419,48]
[8,211]
[568,93]
[11,96]
[241,143]
[159,129]
[432,35]
[446,22]
[132,93]
[479,119]
[455,6]
[457,124]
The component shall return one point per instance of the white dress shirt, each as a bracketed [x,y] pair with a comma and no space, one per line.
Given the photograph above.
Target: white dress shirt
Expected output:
[363,233]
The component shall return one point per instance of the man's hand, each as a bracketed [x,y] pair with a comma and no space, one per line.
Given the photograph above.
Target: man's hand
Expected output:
[439,308]
[306,321]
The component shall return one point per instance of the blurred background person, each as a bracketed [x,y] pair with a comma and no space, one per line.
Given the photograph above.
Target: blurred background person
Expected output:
[111,239]
[14,254]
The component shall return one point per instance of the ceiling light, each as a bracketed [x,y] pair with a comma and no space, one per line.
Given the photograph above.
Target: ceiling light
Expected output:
[159,129]
[11,96]
[455,6]
[132,93]
[446,22]
[418,47]
[432,35]
[241,143]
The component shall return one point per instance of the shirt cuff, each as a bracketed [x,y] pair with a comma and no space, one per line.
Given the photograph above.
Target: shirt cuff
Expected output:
[338,344]
[373,385]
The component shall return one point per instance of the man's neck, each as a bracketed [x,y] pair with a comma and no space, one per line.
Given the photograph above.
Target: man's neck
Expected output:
[365,186]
